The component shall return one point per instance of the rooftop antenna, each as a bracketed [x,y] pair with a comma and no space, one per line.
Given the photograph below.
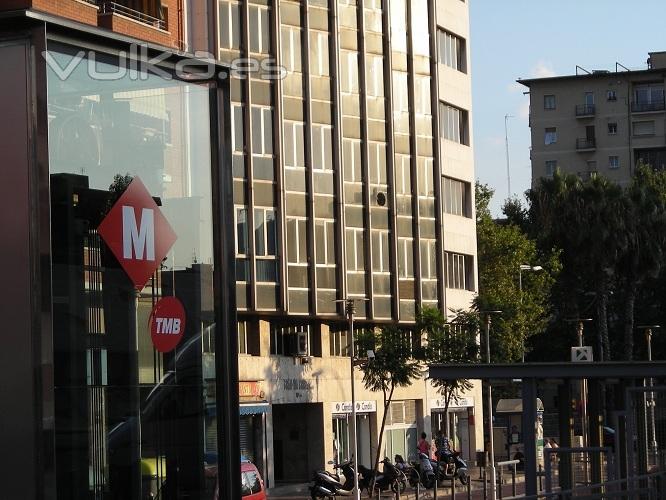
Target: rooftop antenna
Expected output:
[620,65]
[506,142]
[581,69]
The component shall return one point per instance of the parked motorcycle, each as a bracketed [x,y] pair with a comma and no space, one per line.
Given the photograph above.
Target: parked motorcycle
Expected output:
[451,465]
[391,478]
[422,471]
[328,485]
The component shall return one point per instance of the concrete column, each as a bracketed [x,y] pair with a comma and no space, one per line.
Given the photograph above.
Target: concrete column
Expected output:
[264,338]
[268,450]
[325,341]
[327,434]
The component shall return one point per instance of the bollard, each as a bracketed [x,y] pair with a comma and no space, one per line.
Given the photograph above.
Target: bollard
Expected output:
[418,489]
[435,492]
[540,478]
[469,488]
[453,488]
[513,480]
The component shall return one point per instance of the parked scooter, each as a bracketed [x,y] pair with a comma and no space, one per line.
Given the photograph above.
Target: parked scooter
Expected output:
[422,471]
[328,485]
[391,478]
[451,465]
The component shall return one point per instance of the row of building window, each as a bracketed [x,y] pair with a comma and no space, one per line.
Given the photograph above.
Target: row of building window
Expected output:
[644,95]
[639,128]
[613,163]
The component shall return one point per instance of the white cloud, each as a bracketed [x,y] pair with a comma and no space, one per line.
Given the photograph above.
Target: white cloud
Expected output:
[542,69]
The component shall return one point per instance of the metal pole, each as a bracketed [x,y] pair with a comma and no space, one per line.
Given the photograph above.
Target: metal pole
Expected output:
[352,428]
[651,401]
[520,288]
[583,401]
[491,445]
[506,141]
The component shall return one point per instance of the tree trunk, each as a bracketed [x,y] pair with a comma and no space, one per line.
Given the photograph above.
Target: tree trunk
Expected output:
[387,404]
[629,305]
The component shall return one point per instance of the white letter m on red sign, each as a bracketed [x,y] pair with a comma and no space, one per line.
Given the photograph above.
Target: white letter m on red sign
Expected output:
[140,239]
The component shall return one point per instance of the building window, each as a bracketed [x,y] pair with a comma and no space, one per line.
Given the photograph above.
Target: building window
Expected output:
[262,131]
[648,97]
[612,128]
[428,259]
[319,65]
[452,51]
[291,48]
[355,249]
[551,167]
[294,144]
[613,162]
[230,25]
[456,197]
[380,251]
[453,123]
[291,340]
[260,39]
[265,244]
[322,147]
[241,231]
[405,257]
[549,101]
[325,242]
[644,128]
[297,240]
[375,76]
[339,342]
[550,136]
[611,95]
[349,72]
[243,347]
[459,271]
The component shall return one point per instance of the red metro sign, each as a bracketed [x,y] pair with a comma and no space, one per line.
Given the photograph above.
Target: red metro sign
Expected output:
[137,233]
[167,324]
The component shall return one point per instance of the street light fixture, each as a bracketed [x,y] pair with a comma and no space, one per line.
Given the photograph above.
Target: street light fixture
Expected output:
[650,402]
[350,311]
[525,267]
[491,445]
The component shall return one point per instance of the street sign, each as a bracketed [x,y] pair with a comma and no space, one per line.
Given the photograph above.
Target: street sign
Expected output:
[582,354]
[137,233]
[167,324]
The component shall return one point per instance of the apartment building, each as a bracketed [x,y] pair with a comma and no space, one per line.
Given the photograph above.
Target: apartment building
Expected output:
[604,122]
[353,178]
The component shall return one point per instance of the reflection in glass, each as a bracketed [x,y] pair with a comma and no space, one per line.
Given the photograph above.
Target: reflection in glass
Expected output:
[130,422]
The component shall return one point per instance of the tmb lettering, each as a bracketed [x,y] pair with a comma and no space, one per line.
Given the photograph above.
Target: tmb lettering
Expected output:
[168,326]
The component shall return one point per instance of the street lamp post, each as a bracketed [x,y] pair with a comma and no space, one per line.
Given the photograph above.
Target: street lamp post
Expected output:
[521,268]
[350,310]
[650,402]
[489,403]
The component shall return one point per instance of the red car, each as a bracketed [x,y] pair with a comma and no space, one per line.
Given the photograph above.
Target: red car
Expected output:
[252,486]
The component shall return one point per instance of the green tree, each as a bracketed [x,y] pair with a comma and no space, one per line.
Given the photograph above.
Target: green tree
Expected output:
[502,248]
[395,364]
[451,342]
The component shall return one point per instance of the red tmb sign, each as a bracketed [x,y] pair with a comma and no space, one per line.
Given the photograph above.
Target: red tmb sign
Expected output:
[167,324]
[137,233]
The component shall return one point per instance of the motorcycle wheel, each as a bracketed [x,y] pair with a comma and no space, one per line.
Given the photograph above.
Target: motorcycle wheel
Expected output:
[464,479]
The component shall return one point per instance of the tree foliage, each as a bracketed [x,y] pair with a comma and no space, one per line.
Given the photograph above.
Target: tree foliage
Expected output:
[502,248]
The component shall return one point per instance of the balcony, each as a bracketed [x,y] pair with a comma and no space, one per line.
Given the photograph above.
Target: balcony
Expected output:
[647,107]
[584,110]
[586,144]
[134,15]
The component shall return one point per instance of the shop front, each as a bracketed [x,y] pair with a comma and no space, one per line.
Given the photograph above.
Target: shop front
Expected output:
[125,269]
[253,412]
[341,412]
[456,424]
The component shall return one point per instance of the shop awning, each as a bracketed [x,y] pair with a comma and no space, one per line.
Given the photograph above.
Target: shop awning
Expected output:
[254,409]
[515,405]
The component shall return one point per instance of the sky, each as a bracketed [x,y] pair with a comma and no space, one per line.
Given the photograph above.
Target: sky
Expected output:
[513,39]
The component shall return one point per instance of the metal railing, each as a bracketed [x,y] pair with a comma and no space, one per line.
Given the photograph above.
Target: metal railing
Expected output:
[135,15]
[586,143]
[644,106]
[585,109]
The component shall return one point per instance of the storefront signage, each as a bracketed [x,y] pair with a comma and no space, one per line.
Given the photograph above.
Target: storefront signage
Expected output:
[361,407]
[250,390]
[137,233]
[440,404]
[167,324]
